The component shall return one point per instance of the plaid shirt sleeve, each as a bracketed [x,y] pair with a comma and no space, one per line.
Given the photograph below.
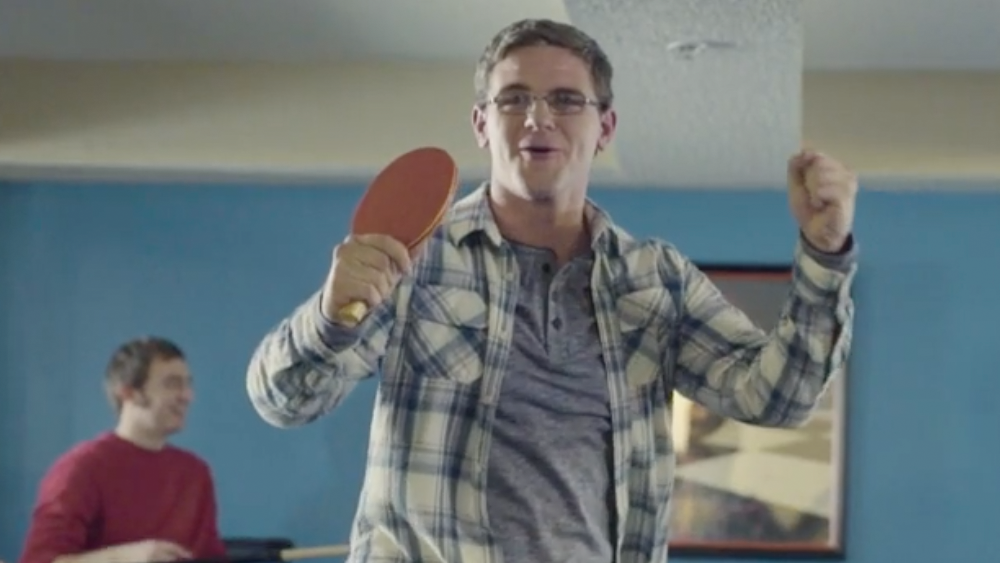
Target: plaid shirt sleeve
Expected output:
[307,365]
[733,368]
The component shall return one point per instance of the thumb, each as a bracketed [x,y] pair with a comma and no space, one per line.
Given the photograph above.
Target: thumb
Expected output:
[798,169]
[797,166]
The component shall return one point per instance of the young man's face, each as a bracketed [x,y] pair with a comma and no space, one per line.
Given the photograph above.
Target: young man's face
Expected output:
[542,149]
[160,406]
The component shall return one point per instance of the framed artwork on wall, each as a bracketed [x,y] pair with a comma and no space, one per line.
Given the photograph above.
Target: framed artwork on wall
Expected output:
[742,490]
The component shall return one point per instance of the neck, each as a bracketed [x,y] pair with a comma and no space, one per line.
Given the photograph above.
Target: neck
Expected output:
[559,225]
[141,437]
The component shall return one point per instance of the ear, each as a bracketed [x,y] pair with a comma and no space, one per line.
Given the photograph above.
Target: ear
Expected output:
[128,394]
[609,121]
[479,126]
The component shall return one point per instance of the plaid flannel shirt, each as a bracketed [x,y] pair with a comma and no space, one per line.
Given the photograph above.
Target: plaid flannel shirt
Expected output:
[440,345]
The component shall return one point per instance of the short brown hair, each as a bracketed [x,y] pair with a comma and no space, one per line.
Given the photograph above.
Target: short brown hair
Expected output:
[537,32]
[129,365]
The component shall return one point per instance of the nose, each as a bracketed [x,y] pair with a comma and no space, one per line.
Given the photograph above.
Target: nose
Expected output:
[538,115]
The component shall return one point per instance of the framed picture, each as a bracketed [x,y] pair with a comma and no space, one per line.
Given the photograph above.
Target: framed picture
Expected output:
[742,490]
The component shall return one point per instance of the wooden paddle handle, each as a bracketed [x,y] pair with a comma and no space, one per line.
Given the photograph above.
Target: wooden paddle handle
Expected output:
[352,313]
[296,553]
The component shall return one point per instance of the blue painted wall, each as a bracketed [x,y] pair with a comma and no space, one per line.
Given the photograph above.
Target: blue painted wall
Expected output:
[84,267]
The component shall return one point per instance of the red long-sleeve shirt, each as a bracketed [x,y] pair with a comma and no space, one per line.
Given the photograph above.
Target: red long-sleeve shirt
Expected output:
[108,491]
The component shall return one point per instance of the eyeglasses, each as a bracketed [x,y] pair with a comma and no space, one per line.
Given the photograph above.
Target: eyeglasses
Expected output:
[559,102]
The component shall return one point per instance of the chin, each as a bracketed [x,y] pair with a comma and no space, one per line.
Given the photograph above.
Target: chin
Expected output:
[539,187]
[538,193]
[173,427]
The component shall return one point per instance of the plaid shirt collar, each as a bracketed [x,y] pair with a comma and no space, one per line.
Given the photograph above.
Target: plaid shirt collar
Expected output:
[473,215]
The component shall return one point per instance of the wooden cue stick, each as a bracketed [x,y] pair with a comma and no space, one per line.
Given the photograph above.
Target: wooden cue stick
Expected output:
[296,553]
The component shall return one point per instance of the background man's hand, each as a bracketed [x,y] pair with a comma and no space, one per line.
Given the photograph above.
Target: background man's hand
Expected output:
[151,551]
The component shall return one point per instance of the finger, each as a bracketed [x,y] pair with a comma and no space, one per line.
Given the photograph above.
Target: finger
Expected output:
[795,170]
[357,280]
[369,294]
[372,266]
[371,257]
[799,163]
[827,194]
[177,550]
[827,168]
[165,551]
[828,181]
[392,248]
[377,255]
[353,250]
[365,284]
[808,157]
[376,293]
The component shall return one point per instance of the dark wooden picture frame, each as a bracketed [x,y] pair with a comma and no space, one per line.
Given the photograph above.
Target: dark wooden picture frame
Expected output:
[744,491]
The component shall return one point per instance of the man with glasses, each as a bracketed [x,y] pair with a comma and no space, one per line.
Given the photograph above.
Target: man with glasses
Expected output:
[527,353]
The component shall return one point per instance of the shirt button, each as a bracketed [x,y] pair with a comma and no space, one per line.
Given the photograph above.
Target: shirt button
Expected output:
[557,324]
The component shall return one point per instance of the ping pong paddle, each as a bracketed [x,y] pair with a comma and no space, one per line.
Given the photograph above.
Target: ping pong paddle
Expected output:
[407,200]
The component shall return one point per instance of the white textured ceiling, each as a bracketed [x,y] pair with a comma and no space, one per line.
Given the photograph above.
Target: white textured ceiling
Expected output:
[855,34]
[684,113]
[727,115]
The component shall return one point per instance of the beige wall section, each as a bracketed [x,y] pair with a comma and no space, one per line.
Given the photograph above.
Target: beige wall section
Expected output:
[321,121]
[279,119]
[923,124]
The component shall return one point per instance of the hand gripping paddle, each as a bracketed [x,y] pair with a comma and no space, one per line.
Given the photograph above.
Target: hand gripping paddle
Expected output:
[407,200]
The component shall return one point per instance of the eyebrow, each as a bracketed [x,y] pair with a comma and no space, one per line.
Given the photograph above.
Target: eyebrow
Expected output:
[518,87]
[175,375]
[515,86]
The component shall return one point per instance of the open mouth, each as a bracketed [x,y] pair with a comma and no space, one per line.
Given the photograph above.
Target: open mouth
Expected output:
[538,150]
